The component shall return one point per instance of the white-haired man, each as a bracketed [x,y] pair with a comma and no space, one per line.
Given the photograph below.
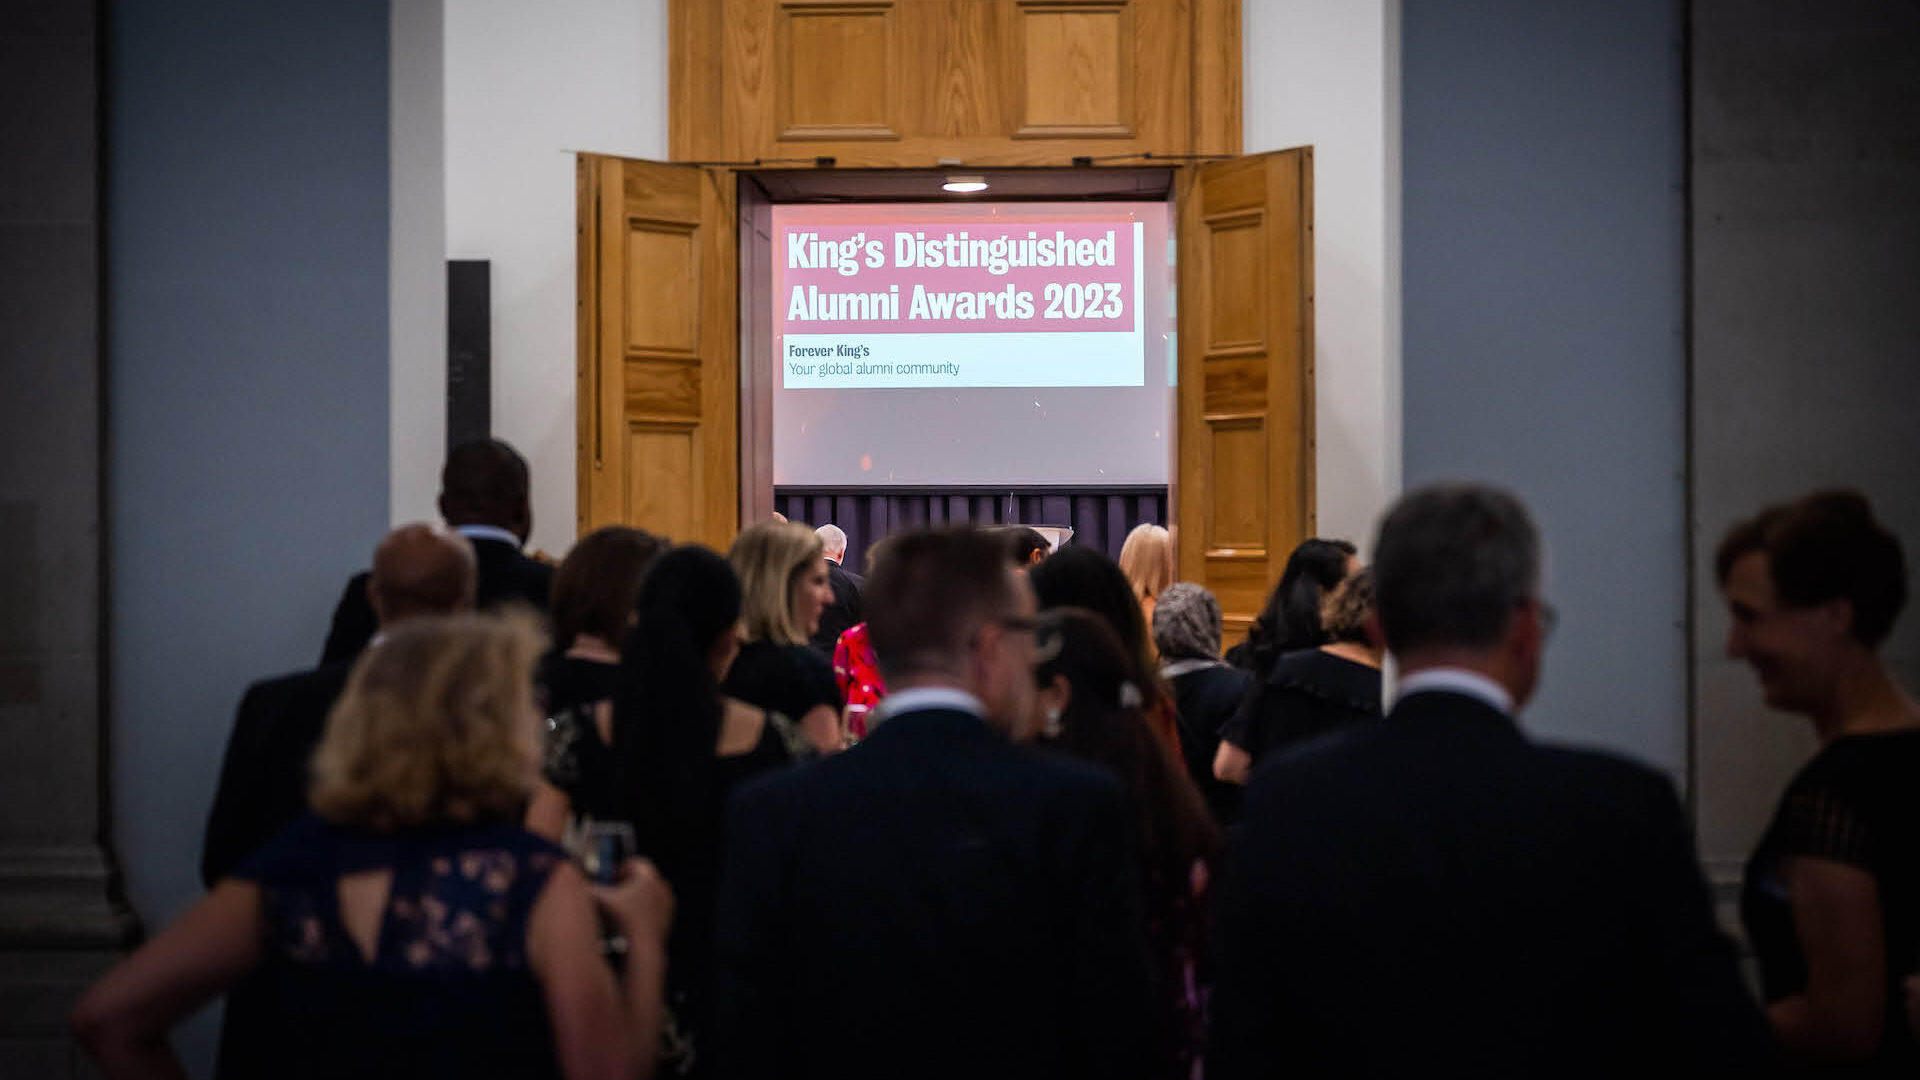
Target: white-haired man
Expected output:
[845,611]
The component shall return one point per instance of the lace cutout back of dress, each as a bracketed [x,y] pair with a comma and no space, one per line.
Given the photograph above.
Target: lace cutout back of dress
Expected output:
[451,909]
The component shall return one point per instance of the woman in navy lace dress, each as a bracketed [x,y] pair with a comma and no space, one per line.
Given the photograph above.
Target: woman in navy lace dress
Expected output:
[410,927]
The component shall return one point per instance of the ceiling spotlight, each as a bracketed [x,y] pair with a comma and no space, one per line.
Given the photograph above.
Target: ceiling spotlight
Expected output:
[965,185]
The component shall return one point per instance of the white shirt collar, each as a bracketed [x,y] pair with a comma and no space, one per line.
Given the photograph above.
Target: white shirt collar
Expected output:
[922,698]
[1455,680]
[1173,669]
[488,532]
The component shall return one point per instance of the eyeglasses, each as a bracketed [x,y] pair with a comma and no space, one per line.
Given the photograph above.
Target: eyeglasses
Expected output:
[1549,617]
[1028,623]
[1021,624]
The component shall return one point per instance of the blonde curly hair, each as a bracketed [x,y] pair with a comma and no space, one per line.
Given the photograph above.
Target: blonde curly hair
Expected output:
[437,725]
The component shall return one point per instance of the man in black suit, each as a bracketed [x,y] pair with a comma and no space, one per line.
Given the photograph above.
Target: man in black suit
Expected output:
[937,901]
[846,609]
[485,497]
[417,570]
[1439,895]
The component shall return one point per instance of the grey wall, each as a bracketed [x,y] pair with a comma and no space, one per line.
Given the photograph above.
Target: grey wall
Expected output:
[1543,281]
[58,930]
[247,379]
[1806,182]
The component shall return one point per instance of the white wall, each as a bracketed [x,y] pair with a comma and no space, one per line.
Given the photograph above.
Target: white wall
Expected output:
[1326,73]
[416,258]
[526,85]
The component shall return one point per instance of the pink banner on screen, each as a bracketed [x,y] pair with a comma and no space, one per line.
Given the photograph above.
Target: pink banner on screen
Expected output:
[981,276]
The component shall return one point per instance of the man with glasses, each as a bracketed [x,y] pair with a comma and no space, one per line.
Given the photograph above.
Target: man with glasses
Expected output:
[939,901]
[1439,895]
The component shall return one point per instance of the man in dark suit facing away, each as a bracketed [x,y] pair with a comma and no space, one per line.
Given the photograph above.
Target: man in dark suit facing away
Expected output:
[1438,895]
[486,497]
[847,610]
[938,901]
[417,570]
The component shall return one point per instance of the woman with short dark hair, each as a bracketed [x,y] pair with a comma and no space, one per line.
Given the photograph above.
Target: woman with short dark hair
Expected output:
[1832,893]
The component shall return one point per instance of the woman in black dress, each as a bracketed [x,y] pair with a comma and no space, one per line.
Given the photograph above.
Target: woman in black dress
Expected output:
[1832,892]
[1312,691]
[682,748]
[409,927]
[783,578]
[595,592]
[1291,619]
[1207,691]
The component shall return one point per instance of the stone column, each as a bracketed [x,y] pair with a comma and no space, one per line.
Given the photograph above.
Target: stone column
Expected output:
[60,924]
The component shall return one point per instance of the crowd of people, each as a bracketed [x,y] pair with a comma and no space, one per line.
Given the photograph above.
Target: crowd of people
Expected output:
[991,809]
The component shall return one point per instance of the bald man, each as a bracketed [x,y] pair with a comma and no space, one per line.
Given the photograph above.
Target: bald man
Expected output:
[417,570]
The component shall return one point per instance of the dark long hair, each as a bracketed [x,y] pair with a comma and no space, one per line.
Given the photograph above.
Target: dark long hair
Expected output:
[1104,724]
[667,718]
[1291,619]
[1081,577]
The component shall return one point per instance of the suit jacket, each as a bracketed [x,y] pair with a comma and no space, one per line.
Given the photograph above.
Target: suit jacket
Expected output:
[263,782]
[846,610]
[1437,895]
[505,574]
[935,902]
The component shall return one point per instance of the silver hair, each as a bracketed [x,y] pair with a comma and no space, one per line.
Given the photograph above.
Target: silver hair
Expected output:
[833,538]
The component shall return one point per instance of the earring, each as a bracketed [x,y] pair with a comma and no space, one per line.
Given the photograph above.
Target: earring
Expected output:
[1051,729]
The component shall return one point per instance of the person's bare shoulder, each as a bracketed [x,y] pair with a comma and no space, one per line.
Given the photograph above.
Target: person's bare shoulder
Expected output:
[740,728]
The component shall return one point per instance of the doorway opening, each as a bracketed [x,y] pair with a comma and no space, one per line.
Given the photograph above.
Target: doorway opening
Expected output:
[926,346]
[676,375]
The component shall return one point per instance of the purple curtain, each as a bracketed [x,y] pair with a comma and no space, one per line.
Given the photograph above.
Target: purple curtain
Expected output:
[1100,517]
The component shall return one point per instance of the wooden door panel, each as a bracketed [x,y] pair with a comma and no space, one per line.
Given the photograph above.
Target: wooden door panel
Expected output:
[658,380]
[893,83]
[964,39]
[663,289]
[1236,520]
[1244,472]
[663,479]
[833,76]
[1076,69]
[658,391]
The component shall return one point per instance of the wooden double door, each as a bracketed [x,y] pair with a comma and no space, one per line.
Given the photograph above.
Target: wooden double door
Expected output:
[660,363]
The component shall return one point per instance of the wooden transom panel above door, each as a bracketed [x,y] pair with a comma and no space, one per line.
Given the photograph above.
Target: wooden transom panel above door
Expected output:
[910,83]
[1244,477]
[658,369]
